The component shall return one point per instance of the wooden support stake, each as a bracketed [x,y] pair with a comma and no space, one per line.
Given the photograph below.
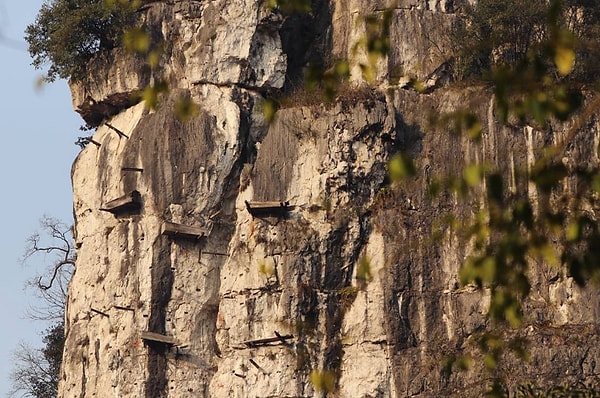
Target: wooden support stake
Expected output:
[184,231]
[99,312]
[158,338]
[123,308]
[257,366]
[278,338]
[283,338]
[116,130]
[214,253]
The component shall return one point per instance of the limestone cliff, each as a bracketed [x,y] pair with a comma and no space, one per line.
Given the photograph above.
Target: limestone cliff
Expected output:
[244,302]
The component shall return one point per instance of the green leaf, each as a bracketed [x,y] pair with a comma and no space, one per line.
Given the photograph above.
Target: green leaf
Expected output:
[468,272]
[490,361]
[513,315]
[186,109]
[151,94]
[363,271]
[473,174]
[137,40]
[323,380]
[464,362]
[342,69]
[473,126]
[288,7]
[596,183]
[401,167]
[549,254]
[488,269]
[564,58]
[269,109]
[573,231]
[153,58]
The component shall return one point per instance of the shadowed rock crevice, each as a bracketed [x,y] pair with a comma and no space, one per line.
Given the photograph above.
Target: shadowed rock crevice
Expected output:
[306,39]
[162,284]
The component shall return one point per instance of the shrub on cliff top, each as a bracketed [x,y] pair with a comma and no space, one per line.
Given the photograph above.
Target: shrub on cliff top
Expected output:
[508,32]
[68,33]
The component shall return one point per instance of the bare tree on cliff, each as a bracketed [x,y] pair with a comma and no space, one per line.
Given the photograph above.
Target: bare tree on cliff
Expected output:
[36,370]
[53,247]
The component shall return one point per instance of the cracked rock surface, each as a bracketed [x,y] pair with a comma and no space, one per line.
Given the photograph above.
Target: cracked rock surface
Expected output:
[339,273]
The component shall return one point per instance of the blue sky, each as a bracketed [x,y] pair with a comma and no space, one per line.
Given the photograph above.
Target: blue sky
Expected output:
[38,129]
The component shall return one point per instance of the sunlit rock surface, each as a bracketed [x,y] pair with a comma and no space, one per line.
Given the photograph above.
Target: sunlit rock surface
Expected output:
[348,275]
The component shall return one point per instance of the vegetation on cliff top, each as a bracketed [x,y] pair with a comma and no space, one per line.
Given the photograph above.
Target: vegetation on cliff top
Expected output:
[68,33]
[509,33]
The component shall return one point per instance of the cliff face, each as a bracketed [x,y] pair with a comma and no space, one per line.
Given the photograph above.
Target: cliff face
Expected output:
[293,275]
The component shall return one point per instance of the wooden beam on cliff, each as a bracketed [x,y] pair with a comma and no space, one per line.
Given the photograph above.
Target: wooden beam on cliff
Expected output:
[132,202]
[182,231]
[272,208]
[277,339]
[137,169]
[116,130]
[151,337]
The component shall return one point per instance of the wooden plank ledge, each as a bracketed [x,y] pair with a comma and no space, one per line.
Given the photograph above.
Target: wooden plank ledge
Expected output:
[137,169]
[126,203]
[157,338]
[182,231]
[269,207]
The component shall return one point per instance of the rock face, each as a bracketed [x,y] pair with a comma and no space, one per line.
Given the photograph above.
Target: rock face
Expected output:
[195,291]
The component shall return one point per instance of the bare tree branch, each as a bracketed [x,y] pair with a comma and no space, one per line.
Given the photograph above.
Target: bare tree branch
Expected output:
[53,247]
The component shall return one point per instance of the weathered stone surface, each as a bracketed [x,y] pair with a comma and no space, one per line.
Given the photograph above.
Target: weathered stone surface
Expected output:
[296,273]
[228,43]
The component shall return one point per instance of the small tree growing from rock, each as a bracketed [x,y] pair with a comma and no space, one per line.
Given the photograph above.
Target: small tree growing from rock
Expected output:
[68,33]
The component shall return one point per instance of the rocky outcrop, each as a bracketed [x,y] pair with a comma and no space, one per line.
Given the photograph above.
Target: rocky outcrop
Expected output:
[339,276]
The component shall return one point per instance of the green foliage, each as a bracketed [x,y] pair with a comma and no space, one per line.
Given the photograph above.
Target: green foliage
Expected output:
[323,381]
[401,167]
[153,92]
[502,31]
[186,108]
[375,43]
[37,371]
[530,390]
[54,341]
[507,33]
[535,56]
[68,33]
[363,271]
[327,80]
